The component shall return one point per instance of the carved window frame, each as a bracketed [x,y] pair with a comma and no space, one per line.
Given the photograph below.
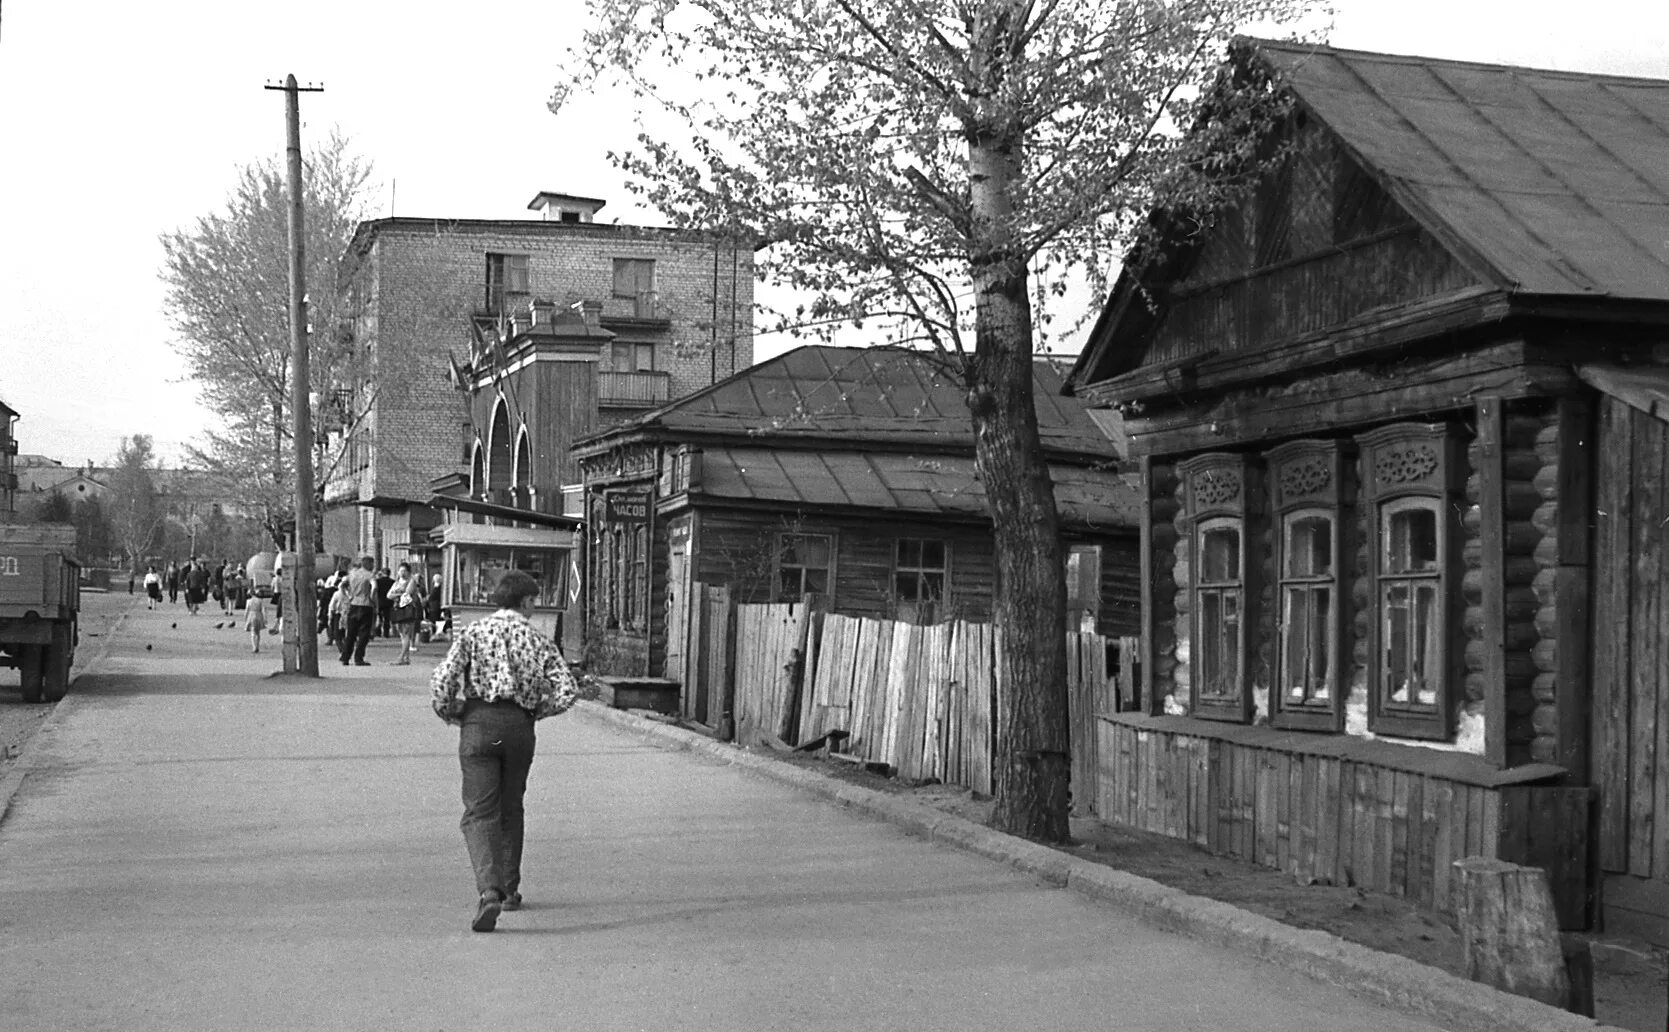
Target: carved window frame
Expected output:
[1311,480]
[1414,468]
[1220,493]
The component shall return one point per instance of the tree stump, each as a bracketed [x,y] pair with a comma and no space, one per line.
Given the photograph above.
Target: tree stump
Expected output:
[1509,930]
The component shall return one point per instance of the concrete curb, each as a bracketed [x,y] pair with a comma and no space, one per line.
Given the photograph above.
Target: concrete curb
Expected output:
[1395,981]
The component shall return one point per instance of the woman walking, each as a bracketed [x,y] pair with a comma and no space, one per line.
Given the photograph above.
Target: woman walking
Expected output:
[255,620]
[153,587]
[406,594]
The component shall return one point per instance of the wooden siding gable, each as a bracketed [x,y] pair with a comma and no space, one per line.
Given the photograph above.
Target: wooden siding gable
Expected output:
[1319,244]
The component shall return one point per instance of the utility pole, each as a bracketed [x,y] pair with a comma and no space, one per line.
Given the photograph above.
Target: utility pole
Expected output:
[305,659]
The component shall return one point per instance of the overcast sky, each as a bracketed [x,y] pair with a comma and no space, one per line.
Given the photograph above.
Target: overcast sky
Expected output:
[120,121]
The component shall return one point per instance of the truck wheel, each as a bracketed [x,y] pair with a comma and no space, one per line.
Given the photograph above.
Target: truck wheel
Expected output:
[56,665]
[29,665]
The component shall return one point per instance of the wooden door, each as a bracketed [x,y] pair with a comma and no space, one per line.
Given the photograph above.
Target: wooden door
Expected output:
[1630,721]
[678,608]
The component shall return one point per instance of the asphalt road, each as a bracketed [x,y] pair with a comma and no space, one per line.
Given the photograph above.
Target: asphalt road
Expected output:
[196,845]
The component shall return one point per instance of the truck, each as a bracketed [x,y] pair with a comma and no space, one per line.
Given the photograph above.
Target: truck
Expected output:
[40,598]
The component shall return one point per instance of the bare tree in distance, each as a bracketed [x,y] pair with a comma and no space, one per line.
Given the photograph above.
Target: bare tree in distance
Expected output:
[227,280]
[941,169]
[136,512]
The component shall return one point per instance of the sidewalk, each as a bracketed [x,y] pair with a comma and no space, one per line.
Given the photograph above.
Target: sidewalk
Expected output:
[197,845]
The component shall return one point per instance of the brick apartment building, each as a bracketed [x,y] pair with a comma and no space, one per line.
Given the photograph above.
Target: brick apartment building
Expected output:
[671,311]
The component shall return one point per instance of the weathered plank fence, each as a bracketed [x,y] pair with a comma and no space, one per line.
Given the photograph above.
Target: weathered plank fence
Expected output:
[920,698]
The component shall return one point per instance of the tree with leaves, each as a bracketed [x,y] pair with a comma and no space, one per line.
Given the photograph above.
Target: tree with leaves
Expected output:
[941,169]
[135,510]
[93,533]
[227,281]
[54,507]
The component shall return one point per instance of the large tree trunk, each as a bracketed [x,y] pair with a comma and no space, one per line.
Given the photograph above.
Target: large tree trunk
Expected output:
[1033,763]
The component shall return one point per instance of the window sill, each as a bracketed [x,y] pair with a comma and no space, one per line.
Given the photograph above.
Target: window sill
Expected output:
[1464,768]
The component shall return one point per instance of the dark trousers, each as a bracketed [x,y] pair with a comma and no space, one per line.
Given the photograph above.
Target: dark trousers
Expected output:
[495,750]
[356,632]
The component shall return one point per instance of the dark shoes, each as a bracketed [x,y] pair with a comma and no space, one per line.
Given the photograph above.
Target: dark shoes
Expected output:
[486,913]
[361,662]
[512,901]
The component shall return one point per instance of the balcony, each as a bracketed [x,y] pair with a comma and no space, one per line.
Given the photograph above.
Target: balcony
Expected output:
[633,390]
[642,311]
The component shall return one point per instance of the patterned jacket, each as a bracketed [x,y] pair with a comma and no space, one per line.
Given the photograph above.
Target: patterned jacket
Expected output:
[503,658]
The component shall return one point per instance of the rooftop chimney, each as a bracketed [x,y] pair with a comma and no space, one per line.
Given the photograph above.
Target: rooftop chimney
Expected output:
[557,207]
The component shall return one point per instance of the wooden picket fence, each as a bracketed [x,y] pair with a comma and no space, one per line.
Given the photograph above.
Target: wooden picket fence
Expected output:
[920,699]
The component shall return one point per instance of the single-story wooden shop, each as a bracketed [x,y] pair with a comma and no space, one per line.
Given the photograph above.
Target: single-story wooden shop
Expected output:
[1400,417]
[846,473]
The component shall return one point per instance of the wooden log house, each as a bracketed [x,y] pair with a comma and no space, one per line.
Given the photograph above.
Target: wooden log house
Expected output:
[1400,415]
[845,473]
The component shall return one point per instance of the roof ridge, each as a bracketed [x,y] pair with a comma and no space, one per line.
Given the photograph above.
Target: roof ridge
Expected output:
[1299,47]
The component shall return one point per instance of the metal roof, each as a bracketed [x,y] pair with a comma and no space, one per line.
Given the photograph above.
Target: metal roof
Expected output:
[867,395]
[924,485]
[1557,182]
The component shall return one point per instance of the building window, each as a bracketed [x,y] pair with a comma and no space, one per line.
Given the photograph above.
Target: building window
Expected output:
[1410,483]
[634,277]
[920,570]
[1310,487]
[1220,494]
[1309,639]
[630,357]
[1218,595]
[508,284]
[804,564]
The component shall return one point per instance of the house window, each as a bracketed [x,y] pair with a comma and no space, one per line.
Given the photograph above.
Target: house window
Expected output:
[804,562]
[1218,595]
[1410,589]
[508,284]
[920,570]
[634,278]
[1310,491]
[1221,491]
[1309,639]
[1410,478]
[629,357]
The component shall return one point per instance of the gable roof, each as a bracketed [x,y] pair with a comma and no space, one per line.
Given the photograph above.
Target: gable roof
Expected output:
[879,396]
[1556,182]
[1544,184]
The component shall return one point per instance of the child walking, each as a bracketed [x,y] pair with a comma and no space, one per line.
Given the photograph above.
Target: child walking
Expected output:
[255,621]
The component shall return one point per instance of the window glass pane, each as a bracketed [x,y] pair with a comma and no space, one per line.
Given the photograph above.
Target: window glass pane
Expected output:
[1411,540]
[1398,628]
[1211,618]
[1309,547]
[932,587]
[1427,637]
[933,554]
[817,581]
[904,585]
[1220,555]
[814,551]
[788,583]
[1307,642]
[909,552]
[515,274]
[1219,668]
[1298,644]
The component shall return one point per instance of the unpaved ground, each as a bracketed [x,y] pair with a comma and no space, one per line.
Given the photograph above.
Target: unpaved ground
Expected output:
[1630,986]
